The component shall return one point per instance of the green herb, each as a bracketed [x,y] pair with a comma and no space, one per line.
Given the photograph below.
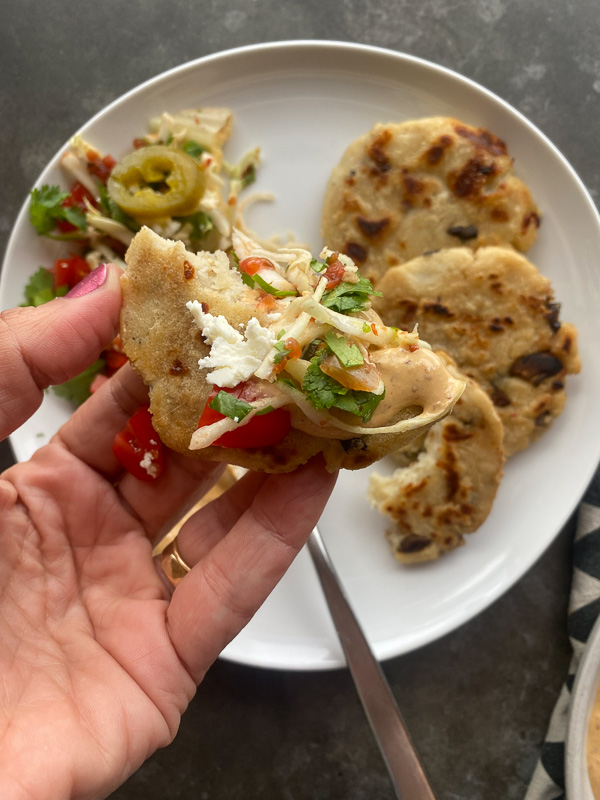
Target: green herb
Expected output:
[201,224]
[230,406]
[363,404]
[322,391]
[348,354]
[281,333]
[264,411]
[79,389]
[45,210]
[266,287]
[249,175]
[319,388]
[112,210]
[318,266]
[347,298]
[282,352]
[193,149]
[40,288]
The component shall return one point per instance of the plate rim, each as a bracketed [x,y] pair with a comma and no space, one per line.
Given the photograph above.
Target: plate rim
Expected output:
[430,67]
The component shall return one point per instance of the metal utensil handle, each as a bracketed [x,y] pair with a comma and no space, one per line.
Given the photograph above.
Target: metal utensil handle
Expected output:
[397,749]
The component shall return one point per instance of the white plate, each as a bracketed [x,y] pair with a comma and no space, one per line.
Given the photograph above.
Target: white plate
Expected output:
[303,103]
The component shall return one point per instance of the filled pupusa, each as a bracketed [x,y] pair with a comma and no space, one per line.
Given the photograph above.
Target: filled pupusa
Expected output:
[264,359]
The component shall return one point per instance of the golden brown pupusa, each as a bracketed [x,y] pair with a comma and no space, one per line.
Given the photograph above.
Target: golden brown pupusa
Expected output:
[406,188]
[496,316]
[447,480]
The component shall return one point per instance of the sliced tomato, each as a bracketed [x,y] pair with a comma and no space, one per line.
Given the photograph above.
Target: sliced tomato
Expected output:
[138,448]
[261,431]
[69,271]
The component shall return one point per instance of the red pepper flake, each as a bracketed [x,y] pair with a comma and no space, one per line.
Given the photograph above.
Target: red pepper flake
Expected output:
[374,329]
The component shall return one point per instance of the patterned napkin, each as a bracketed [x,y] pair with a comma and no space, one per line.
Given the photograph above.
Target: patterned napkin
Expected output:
[548,782]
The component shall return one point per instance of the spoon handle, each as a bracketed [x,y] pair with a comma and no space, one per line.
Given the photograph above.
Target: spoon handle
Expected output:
[405,769]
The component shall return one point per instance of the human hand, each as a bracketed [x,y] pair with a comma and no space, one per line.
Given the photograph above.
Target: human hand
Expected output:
[98,657]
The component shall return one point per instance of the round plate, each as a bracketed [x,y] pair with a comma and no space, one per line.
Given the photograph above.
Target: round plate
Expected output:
[303,103]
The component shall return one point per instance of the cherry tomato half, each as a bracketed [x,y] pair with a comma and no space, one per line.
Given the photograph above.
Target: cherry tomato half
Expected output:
[260,431]
[138,448]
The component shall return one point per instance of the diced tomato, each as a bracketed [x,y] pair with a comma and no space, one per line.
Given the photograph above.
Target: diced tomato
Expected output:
[294,351]
[101,168]
[260,431]
[69,271]
[114,359]
[79,194]
[138,448]
[253,264]
[335,271]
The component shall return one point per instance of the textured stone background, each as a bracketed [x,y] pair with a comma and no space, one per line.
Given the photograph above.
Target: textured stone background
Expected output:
[477,702]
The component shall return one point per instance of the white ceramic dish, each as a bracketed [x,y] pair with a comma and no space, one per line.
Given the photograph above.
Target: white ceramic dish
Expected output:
[583,696]
[303,103]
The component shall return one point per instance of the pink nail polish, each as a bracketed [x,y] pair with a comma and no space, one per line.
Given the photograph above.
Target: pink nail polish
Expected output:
[93,280]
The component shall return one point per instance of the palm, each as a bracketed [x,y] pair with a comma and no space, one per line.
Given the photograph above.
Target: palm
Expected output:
[97,659]
[86,649]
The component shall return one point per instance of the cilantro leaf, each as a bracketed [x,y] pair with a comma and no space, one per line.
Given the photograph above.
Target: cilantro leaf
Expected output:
[322,391]
[348,354]
[347,298]
[40,288]
[363,404]
[193,149]
[45,208]
[282,352]
[112,210]
[230,406]
[318,266]
[201,225]
[78,389]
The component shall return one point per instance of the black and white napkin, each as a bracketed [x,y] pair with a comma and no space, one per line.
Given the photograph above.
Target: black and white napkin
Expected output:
[548,781]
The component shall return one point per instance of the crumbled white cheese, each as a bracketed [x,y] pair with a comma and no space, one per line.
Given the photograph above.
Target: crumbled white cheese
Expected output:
[233,356]
[147,464]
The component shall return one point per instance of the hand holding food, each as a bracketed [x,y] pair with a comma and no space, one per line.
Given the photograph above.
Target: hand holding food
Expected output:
[99,654]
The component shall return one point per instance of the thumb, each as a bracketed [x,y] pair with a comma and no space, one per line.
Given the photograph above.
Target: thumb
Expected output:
[54,342]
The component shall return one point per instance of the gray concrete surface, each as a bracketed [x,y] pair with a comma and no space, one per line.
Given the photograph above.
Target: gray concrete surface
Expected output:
[477,701]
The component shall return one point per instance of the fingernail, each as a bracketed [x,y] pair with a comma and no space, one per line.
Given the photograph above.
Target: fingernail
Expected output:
[93,280]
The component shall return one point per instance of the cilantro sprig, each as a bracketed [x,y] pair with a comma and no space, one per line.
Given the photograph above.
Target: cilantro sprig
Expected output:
[323,391]
[40,288]
[348,298]
[46,209]
[230,406]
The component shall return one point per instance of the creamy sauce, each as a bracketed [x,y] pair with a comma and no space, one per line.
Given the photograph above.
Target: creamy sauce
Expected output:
[411,379]
[593,748]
